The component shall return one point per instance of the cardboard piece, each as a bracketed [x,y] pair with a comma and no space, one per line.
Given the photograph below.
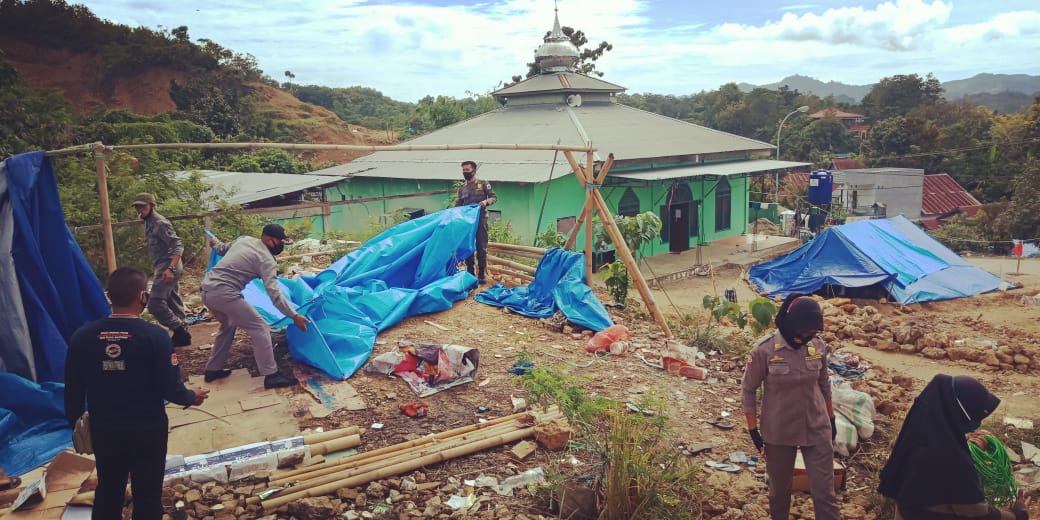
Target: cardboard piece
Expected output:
[61,481]
[800,482]
[225,398]
[262,401]
[331,395]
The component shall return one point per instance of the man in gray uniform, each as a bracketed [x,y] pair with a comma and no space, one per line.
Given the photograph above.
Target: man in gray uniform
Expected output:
[165,249]
[246,258]
[475,191]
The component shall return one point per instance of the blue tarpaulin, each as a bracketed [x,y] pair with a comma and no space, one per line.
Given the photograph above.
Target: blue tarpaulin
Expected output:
[559,284]
[33,428]
[409,269]
[893,253]
[47,288]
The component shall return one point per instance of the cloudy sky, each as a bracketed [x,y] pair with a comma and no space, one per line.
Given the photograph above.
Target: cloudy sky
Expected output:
[411,48]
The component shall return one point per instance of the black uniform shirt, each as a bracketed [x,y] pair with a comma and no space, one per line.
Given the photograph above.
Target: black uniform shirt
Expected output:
[474,193]
[123,369]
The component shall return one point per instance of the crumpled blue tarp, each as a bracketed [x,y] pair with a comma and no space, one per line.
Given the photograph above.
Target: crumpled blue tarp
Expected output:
[893,252]
[559,284]
[33,428]
[406,270]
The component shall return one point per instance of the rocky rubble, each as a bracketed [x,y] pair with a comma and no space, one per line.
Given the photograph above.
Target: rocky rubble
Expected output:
[848,323]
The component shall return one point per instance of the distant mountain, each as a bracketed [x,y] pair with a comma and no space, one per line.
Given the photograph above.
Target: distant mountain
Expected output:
[992,84]
[841,91]
[1015,85]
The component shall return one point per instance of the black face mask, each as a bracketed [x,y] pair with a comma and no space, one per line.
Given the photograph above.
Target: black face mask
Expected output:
[276,249]
[468,175]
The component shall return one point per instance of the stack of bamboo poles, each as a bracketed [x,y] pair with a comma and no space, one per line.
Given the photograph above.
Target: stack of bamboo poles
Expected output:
[333,440]
[327,477]
[502,267]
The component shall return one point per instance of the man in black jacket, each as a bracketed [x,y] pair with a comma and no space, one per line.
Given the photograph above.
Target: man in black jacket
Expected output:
[123,369]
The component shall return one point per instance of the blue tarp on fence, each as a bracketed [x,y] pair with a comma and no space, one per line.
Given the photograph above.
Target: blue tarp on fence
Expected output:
[893,252]
[406,270]
[559,284]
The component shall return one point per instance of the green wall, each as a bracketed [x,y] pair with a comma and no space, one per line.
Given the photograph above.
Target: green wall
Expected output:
[520,204]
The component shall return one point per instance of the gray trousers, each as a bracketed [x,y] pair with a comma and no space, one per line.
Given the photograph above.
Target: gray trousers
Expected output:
[234,312]
[819,465]
[164,302]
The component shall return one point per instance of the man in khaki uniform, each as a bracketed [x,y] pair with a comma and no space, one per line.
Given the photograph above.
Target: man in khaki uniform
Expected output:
[476,191]
[791,366]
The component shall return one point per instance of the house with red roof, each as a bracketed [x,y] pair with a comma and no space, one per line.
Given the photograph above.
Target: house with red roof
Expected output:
[942,198]
[855,123]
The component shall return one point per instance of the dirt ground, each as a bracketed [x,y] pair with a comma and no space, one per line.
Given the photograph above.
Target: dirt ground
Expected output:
[893,379]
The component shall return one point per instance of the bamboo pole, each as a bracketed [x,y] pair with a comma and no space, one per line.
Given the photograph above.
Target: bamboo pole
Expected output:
[106,213]
[274,209]
[502,273]
[401,467]
[522,254]
[630,262]
[572,237]
[588,222]
[341,443]
[348,470]
[315,438]
[312,146]
[516,247]
[511,264]
[622,247]
[284,475]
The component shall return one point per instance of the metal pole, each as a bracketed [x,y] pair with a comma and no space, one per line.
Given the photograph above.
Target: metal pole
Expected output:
[803,109]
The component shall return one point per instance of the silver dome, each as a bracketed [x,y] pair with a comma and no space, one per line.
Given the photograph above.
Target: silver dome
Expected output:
[557,53]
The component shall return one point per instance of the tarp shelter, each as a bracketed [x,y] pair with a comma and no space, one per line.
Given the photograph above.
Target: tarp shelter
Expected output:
[559,285]
[47,289]
[892,253]
[409,269]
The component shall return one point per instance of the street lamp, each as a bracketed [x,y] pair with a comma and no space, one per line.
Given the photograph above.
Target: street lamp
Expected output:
[803,109]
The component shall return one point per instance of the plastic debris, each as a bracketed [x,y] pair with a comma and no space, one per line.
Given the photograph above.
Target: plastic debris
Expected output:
[416,409]
[531,476]
[521,367]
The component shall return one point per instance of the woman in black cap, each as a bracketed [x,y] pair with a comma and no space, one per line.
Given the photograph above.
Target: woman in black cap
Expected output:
[930,473]
[791,366]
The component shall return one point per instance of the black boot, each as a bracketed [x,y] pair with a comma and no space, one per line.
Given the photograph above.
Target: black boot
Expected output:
[212,375]
[181,337]
[279,380]
[482,279]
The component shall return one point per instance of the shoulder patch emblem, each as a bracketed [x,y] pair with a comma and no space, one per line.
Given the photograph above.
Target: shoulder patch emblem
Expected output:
[811,351]
[113,350]
[173,360]
[480,186]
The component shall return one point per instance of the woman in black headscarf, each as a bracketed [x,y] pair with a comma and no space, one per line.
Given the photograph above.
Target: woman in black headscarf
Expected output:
[790,366]
[930,473]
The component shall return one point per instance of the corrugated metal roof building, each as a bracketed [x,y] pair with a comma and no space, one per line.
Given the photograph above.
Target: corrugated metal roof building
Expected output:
[695,177]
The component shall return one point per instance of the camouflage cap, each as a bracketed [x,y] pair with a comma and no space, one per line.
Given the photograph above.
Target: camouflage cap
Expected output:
[144,198]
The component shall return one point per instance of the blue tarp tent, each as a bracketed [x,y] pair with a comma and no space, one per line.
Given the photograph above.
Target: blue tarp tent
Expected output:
[47,290]
[892,253]
[406,270]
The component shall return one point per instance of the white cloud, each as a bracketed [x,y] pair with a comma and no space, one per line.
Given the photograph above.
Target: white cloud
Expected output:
[410,49]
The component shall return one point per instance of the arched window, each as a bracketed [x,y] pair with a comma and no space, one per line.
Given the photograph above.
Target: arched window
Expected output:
[629,204]
[723,205]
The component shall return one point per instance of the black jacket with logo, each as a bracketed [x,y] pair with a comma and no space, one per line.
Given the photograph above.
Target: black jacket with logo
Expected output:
[122,369]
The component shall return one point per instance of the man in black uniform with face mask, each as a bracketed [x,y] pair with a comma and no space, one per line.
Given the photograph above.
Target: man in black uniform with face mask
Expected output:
[475,191]
[123,368]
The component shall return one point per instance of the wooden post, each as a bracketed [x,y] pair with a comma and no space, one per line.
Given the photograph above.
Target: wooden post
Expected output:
[619,242]
[572,237]
[106,214]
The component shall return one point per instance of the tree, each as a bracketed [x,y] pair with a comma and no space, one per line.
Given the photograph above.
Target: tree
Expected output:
[290,76]
[898,95]
[1023,216]
[586,59]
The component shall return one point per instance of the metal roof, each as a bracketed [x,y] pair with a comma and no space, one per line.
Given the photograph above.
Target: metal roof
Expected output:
[558,82]
[626,132]
[942,194]
[718,170]
[242,188]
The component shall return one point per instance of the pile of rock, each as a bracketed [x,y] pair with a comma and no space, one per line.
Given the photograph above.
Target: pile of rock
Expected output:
[866,327]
